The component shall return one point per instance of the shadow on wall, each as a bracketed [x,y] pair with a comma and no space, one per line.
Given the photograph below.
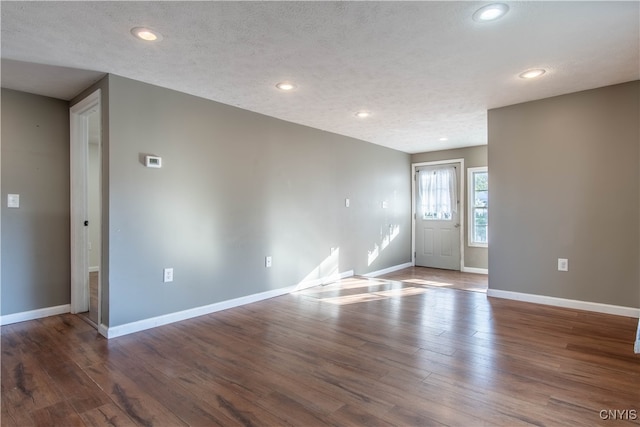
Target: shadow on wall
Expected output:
[386,237]
[326,272]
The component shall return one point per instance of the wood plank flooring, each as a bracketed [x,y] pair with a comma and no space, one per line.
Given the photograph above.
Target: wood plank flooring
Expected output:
[360,352]
[440,278]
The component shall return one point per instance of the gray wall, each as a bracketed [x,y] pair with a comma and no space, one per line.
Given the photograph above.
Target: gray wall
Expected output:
[236,186]
[35,237]
[474,257]
[564,179]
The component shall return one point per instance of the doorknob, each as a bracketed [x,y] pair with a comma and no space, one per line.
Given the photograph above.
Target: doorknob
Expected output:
[86,223]
[457,225]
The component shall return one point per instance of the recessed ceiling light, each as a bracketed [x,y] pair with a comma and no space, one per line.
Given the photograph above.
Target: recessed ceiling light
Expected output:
[286,86]
[532,74]
[490,12]
[362,114]
[146,34]
[444,138]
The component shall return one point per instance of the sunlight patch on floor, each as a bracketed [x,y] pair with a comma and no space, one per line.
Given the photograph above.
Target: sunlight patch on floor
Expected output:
[346,284]
[373,296]
[424,282]
[428,282]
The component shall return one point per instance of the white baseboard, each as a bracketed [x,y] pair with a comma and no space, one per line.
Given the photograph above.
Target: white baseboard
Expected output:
[94,269]
[636,347]
[165,319]
[8,319]
[388,270]
[103,330]
[566,303]
[475,270]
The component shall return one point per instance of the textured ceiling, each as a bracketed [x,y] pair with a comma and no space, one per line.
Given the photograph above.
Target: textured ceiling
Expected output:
[425,70]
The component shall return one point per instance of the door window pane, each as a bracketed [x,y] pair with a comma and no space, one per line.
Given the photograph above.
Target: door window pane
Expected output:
[437,189]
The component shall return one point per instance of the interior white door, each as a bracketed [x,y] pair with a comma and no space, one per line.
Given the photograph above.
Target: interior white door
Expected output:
[438,217]
[94,195]
[79,152]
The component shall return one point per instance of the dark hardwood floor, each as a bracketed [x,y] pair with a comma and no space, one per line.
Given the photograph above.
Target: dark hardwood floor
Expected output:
[361,352]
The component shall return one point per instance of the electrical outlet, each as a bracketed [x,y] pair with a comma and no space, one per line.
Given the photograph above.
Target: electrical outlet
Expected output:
[385,204]
[168,275]
[333,250]
[563,264]
[267,261]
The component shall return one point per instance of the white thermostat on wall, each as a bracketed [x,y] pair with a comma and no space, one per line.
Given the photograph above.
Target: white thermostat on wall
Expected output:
[153,162]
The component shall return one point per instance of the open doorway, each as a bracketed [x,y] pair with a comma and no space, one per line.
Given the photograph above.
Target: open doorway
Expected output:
[86,196]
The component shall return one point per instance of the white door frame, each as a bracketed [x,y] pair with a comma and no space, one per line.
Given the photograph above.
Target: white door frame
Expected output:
[79,153]
[461,180]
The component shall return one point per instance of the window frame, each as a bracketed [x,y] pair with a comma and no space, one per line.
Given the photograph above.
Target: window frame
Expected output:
[471,191]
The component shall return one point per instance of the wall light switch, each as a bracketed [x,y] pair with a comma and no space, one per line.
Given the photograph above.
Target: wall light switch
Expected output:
[563,264]
[347,202]
[385,204]
[13,200]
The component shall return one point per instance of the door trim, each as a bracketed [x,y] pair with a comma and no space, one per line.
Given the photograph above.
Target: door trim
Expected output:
[461,196]
[79,157]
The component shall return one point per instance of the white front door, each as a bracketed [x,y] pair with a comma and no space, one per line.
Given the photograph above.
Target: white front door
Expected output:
[437,216]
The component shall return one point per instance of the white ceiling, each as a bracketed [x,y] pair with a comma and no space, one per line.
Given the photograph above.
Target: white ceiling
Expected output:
[425,70]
